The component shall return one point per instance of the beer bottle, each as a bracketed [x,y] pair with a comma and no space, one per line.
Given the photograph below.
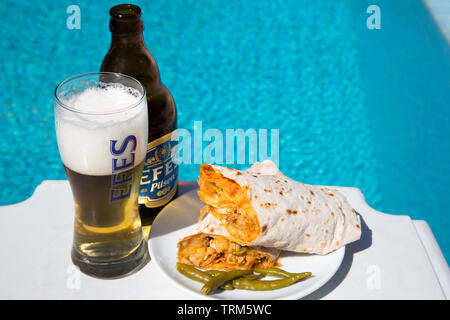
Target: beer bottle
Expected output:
[129,55]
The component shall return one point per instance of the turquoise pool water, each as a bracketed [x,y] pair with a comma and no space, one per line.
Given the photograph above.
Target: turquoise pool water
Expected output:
[354,107]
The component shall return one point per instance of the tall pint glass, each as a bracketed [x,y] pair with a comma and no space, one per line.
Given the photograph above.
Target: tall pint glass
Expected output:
[101,128]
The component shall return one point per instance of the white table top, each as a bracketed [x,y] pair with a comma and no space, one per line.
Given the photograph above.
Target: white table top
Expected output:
[396,257]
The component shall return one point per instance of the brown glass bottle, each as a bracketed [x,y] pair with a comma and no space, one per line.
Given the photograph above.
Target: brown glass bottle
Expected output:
[129,55]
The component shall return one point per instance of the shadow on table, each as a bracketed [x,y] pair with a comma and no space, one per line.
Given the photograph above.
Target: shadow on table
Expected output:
[186,186]
[350,249]
[178,214]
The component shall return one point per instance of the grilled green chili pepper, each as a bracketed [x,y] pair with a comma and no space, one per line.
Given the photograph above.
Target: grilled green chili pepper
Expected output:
[254,276]
[259,285]
[240,279]
[228,285]
[215,273]
[221,279]
[193,273]
[201,276]
[276,272]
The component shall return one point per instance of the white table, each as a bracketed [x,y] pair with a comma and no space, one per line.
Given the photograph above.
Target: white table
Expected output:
[396,258]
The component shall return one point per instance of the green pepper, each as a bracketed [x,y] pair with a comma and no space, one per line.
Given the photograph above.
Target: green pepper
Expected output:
[201,276]
[221,279]
[254,276]
[228,285]
[260,285]
[240,279]
[193,273]
[276,272]
[215,273]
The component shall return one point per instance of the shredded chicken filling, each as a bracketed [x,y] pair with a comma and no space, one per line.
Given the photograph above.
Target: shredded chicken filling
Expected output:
[218,253]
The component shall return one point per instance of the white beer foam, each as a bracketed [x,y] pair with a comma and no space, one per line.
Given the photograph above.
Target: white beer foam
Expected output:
[84,139]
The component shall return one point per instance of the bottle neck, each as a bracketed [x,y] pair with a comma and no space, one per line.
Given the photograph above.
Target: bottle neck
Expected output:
[121,40]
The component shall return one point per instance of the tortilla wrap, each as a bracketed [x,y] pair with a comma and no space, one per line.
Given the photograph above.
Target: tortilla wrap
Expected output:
[262,207]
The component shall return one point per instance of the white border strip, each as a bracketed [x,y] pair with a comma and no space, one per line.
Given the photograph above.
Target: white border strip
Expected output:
[435,255]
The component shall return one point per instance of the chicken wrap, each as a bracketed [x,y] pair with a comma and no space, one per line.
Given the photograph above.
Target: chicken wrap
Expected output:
[261,207]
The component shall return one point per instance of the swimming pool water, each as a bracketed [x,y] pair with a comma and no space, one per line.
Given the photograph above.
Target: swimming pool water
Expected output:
[354,107]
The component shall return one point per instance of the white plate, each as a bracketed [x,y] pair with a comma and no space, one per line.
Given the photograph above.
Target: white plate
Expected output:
[178,218]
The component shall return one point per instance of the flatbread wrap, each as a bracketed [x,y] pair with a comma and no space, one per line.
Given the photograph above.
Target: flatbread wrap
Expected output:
[261,207]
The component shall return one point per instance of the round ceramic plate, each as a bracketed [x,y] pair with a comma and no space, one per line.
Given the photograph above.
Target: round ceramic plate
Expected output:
[178,218]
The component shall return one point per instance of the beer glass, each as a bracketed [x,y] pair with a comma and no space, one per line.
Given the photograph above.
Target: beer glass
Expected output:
[101,129]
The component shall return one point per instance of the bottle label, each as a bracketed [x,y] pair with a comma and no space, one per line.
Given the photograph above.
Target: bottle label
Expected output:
[160,175]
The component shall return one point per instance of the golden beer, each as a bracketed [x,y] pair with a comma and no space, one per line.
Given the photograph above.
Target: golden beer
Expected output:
[101,128]
[103,226]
